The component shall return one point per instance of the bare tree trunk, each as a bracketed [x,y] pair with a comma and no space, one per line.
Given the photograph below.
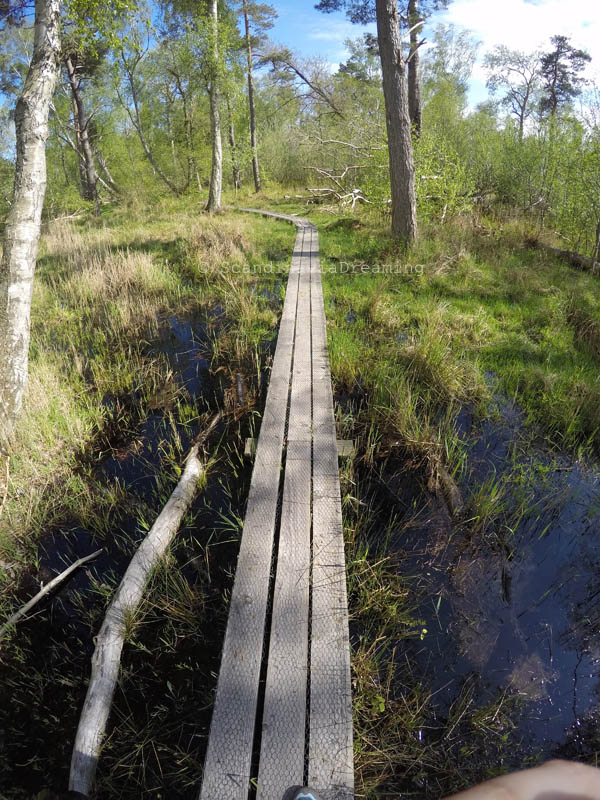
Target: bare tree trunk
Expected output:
[192,169]
[251,105]
[171,139]
[596,254]
[64,165]
[521,123]
[414,77]
[136,121]
[216,174]
[104,168]
[22,231]
[402,171]
[90,189]
[235,164]
[83,188]
[106,660]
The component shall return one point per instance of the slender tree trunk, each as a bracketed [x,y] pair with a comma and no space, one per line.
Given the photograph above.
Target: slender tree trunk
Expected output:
[402,171]
[251,105]
[521,123]
[523,112]
[83,188]
[22,231]
[105,170]
[216,174]
[235,164]
[64,166]
[171,140]
[192,169]
[90,189]
[596,255]
[414,68]
[136,121]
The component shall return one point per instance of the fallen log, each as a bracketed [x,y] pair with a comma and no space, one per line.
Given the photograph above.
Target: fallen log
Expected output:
[14,618]
[106,659]
[576,260]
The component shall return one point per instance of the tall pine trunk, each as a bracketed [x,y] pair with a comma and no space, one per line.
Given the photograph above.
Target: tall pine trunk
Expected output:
[86,154]
[414,77]
[22,232]
[402,170]
[251,105]
[216,174]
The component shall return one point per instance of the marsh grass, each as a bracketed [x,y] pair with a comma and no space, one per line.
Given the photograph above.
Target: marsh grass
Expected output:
[405,743]
[103,290]
[109,297]
[484,317]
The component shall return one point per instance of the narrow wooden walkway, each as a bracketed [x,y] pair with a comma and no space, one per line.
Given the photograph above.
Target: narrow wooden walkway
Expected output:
[283,709]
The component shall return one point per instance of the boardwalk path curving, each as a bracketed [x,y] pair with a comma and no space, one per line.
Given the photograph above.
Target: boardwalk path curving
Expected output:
[283,709]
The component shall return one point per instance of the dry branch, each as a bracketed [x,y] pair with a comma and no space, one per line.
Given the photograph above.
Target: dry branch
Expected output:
[577,260]
[14,618]
[110,640]
[285,58]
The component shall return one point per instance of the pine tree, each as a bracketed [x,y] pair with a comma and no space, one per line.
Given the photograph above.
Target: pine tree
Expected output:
[561,70]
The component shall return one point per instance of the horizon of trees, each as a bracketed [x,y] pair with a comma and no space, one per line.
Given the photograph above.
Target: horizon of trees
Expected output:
[187,98]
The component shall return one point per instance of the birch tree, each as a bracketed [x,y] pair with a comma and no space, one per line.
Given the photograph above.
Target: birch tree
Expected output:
[22,230]
[517,75]
[216,173]
[23,223]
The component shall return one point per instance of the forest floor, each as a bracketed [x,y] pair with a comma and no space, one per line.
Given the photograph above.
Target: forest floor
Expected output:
[465,370]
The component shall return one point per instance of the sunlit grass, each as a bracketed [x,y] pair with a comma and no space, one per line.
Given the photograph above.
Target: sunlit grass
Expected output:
[102,290]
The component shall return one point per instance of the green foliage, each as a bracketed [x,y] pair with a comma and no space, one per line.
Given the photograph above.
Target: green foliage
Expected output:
[561,70]
[444,185]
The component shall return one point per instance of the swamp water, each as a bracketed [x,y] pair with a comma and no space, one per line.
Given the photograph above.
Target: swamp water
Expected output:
[161,712]
[509,603]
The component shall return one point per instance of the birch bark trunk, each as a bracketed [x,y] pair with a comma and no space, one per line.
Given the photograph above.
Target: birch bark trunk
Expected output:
[106,661]
[22,232]
[216,174]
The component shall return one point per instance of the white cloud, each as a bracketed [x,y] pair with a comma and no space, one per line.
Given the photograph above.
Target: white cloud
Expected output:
[524,25]
[527,24]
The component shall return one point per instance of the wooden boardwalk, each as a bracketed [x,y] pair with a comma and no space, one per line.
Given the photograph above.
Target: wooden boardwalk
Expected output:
[283,709]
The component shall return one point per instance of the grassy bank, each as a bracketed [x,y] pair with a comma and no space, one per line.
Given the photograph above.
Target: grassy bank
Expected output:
[469,323]
[103,290]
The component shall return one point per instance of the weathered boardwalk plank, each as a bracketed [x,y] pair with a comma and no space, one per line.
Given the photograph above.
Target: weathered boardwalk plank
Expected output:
[307,689]
[229,755]
[283,734]
[330,761]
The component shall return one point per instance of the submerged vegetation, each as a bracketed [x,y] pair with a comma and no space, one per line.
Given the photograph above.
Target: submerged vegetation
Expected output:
[426,383]
[140,333]
[465,368]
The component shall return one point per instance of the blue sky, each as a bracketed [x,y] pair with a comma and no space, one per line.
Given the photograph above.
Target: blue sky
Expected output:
[519,24]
